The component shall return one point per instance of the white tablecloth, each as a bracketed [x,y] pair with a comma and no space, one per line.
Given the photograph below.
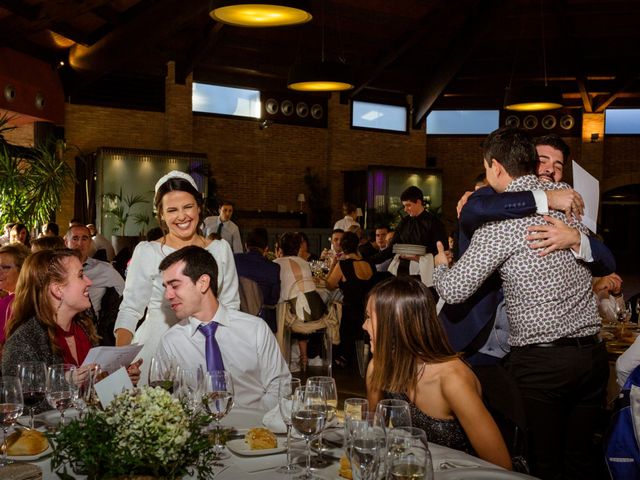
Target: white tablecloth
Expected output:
[448,464]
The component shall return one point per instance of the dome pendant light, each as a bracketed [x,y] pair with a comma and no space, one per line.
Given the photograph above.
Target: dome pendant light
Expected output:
[260,14]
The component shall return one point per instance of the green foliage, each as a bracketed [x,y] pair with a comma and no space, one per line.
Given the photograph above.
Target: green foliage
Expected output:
[120,206]
[31,183]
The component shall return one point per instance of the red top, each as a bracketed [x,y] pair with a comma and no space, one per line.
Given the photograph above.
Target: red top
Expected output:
[83,344]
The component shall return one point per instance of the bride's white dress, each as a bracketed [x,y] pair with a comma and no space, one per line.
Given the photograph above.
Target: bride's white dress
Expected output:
[143,289]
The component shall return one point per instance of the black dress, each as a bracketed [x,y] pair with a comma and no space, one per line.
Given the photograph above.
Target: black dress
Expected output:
[354,291]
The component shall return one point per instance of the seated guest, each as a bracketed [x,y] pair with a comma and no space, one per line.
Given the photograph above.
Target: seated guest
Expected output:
[304,252]
[12,257]
[297,286]
[254,266]
[354,277]
[101,246]
[333,254]
[47,243]
[47,322]
[368,246]
[6,236]
[20,234]
[209,335]
[413,361]
[50,230]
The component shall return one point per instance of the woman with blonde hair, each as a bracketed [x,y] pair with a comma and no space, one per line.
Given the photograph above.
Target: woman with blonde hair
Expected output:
[413,361]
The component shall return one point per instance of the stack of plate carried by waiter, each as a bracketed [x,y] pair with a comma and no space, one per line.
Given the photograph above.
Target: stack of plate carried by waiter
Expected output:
[409,249]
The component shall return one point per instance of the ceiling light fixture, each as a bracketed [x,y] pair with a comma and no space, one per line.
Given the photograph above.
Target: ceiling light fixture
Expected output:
[528,98]
[320,77]
[260,14]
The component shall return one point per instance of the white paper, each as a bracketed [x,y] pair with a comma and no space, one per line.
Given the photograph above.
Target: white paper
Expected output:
[113,385]
[111,359]
[589,187]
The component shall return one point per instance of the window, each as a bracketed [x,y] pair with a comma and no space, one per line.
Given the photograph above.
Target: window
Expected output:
[238,102]
[378,116]
[622,120]
[462,122]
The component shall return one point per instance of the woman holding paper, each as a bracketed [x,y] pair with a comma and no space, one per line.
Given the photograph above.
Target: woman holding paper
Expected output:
[48,321]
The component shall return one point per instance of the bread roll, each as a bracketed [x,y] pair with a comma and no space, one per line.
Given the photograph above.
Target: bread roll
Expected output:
[260,439]
[26,442]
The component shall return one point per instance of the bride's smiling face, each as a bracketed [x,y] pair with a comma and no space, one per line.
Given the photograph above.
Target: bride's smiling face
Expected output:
[181,213]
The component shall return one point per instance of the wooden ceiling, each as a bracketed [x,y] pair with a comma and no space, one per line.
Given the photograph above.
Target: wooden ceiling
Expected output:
[443,53]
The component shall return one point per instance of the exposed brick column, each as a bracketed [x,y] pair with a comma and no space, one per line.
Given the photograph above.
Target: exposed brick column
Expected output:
[178,112]
[593,150]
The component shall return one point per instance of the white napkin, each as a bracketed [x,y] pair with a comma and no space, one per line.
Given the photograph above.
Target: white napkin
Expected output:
[273,421]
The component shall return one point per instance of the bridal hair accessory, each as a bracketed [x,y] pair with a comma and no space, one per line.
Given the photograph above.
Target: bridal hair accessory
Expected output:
[175,174]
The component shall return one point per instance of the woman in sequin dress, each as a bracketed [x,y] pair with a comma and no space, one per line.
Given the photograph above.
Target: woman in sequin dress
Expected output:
[412,360]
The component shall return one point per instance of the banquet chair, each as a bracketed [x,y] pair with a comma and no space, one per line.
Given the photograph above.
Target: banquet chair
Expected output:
[250,296]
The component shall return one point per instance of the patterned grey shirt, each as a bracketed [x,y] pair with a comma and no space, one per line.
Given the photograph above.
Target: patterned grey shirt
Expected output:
[547,297]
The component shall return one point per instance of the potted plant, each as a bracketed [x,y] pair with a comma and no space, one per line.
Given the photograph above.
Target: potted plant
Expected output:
[120,206]
[32,180]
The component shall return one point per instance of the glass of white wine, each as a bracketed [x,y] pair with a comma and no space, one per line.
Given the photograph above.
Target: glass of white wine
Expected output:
[11,406]
[60,389]
[408,456]
[308,415]
[217,401]
[328,385]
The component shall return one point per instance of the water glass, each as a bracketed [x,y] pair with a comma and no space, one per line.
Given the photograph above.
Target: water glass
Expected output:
[328,385]
[354,408]
[286,390]
[10,409]
[391,413]
[366,448]
[189,387]
[308,414]
[60,388]
[85,378]
[217,401]
[33,378]
[408,456]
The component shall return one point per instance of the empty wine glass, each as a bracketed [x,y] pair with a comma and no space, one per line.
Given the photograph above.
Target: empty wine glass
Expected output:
[60,389]
[10,409]
[189,387]
[308,415]
[408,455]
[367,447]
[391,413]
[354,408]
[217,401]
[84,378]
[286,390]
[161,375]
[33,378]
[328,385]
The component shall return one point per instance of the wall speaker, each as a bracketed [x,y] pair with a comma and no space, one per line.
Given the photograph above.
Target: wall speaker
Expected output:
[295,109]
[564,122]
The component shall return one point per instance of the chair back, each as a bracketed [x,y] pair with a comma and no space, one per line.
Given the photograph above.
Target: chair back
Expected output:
[250,296]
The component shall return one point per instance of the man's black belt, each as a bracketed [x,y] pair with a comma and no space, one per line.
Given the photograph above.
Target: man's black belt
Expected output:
[568,342]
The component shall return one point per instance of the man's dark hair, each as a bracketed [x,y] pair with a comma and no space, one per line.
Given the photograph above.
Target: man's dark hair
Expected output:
[380,227]
[197,262]
[336,230]
[412,194]
[222,203]
[513,148]
[258,238]
[53,228]
[290,244]
[554,141]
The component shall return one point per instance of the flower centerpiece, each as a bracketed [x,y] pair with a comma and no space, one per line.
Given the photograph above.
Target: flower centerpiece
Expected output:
[143,431]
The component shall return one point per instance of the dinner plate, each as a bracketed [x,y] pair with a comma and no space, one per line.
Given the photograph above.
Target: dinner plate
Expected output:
[409,249]
[31,458]
[240,447]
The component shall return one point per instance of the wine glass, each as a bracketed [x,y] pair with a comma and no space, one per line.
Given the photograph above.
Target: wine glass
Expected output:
[367,447]
[10,409]
[217,401]
[391,413]
[59,388]
[328,385]
[189,386]
[286,390]
[84,378]
[308,414]
[354,408]
[161,375]
[408,454]
[33,378]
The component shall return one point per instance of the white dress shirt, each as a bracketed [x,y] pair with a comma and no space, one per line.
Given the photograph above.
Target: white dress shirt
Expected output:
[345,223]
[103,275]
[249,352]
[230,232]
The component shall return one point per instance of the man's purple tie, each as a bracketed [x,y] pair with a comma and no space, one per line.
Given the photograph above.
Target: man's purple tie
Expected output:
[212,352]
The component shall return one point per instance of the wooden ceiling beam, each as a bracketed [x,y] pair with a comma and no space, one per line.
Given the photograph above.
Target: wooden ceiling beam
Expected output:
[199,51]
[584,95]
[480,20]
[625,82]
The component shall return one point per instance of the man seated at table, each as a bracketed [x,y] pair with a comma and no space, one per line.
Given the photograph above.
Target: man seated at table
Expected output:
[209,335]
